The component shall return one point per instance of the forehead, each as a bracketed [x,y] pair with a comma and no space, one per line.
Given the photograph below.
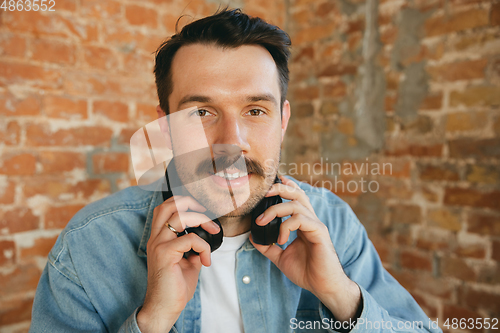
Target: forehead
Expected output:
[213,70]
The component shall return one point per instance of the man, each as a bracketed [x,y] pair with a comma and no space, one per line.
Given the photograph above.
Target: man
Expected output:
[119,265]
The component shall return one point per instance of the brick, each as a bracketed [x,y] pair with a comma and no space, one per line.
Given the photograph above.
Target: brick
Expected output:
[483,174]
[125,135]
[334,90]
[495,14]
[399,169]
[495,253]
[415,261]
[56,162]
[421,125]
[58,217]
[474,41]
[135,62]
[69,5]
[15,311]
[11,106]
[406,214]
[19,220]
[476,299]
[64,107]
[116,111]
[472,198]
[304,110]
[40,248]
[139,15]
[446,172]
[435,286]
[484,224]
[59,190]
[418,150]
[339,70]
[313,33]
[451,311]
[306,94]
[122,38]
[10,133]
[110,162]
[40,135]
[477,251]
[329,108]
[306,53]
[476,96]
[431,244]
[101,9]
[24,278]
[7,252]
[479,148]
[15,72]
[430,195]
[466,121]
[325,9]
[12,45]
[7,192]
[445,219]
[405,278]
[460,70]
[389,102]
[53,51]
[496,126]
[443,24]
[457,268]
[20,164]
[100,57]
[489,274]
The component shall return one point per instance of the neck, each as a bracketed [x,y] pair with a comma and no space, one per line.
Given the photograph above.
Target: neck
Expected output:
[235,225]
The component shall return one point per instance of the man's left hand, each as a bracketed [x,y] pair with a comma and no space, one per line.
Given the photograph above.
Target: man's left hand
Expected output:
[310,261]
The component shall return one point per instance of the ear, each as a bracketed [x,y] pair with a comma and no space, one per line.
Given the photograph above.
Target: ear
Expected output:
[165,128]
[285,117]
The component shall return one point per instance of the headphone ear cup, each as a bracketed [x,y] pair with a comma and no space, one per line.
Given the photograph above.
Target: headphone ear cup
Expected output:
[215,241]
[267,234]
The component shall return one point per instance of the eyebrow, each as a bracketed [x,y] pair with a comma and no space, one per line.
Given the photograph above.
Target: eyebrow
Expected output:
[206,99]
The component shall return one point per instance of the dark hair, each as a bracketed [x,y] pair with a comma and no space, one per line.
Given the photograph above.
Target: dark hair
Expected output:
[228,29]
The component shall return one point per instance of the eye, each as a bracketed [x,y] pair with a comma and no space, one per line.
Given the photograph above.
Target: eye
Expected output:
[256,112]
[201,113]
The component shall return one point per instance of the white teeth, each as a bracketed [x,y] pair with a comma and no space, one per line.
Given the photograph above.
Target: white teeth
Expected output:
[231,176]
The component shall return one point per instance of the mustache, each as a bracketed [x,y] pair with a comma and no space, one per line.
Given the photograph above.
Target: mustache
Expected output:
[239,162]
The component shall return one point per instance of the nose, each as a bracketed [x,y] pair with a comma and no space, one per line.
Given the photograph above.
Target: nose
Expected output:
[230,137]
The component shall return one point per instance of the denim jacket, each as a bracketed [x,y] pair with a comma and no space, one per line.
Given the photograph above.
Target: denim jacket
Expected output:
[96,276]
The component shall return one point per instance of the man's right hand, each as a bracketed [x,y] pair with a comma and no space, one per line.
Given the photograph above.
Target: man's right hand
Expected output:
[172,278]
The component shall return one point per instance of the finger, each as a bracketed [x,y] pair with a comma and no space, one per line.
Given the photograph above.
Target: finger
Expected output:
[290,191]
[272,252]
[182,220]
[312,229]
[173,252]
[165,210]
[281,210]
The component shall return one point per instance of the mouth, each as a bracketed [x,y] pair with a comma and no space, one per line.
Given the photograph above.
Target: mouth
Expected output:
[232,177]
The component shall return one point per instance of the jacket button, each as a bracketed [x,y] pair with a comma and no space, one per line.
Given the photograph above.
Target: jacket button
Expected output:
[246,279]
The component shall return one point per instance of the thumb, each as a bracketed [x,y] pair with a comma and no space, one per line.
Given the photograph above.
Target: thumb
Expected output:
[272,252]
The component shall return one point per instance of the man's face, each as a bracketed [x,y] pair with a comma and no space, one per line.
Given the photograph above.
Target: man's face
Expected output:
[237,95]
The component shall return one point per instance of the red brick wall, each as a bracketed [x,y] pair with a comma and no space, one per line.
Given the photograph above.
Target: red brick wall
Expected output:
[77,82]
[435,219]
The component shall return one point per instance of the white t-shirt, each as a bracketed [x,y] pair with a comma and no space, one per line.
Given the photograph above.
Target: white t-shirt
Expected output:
[220,309]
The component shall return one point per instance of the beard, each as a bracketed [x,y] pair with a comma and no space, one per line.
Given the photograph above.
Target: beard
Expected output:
[220,202]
